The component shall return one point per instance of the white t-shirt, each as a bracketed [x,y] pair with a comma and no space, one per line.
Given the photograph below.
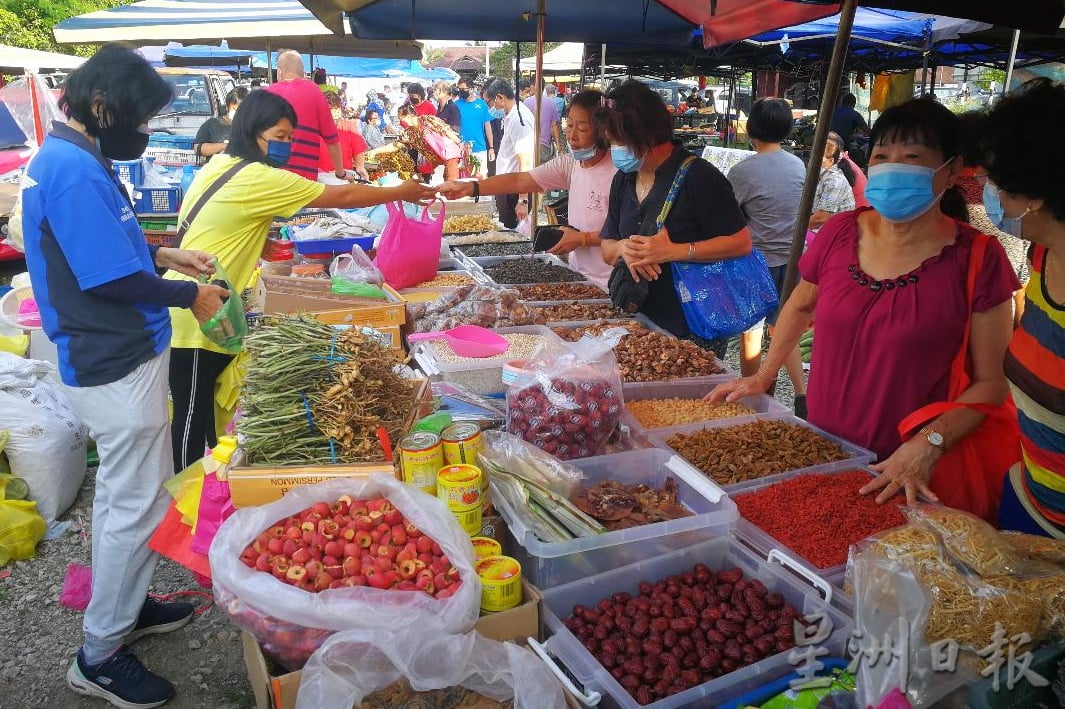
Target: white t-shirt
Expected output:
[518,137]
[589,196]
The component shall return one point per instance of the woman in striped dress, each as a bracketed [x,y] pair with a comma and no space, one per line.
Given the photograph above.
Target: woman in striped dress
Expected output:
[1026,172]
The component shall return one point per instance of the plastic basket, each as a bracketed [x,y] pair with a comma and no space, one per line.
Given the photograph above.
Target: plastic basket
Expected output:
[334,246]
[169,140]
[9,309]
[550,564]
[156,200]
[131,171]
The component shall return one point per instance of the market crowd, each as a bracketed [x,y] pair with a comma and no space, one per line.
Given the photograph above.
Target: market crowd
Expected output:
[924,354]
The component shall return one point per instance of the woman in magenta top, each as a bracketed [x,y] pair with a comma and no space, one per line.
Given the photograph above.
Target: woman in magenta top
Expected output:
[887,287]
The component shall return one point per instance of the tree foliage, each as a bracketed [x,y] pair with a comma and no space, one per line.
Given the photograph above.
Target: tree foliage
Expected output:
[28,23]
[502,58]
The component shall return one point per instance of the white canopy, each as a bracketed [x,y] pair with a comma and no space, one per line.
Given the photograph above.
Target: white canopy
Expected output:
[565,58]
[15,60]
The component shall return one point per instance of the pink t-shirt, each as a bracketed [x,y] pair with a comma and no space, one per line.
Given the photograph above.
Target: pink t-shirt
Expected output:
[882,355]
[589,195]
[315,125]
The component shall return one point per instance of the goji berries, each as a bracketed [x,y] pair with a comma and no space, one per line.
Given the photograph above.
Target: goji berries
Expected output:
[819,516]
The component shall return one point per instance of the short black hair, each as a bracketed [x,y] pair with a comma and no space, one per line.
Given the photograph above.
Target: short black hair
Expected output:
[770,120]
[524,85]
[498,87]
[129,89]
[972,125]
[1017,153]
[236,95]
[636,116]
[416,89]
[849,100]
[320,77]
[260,111]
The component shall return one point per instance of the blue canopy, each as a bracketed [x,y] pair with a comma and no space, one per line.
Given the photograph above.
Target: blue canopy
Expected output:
[869,24]
[363,68]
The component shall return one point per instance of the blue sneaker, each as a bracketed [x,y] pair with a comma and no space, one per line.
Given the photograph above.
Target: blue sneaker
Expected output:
[156,618]
[120,680]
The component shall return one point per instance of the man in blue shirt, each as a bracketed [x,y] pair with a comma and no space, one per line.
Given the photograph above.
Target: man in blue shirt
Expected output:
[476,124]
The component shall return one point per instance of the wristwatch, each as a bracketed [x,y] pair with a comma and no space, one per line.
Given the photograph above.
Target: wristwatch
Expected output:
[524,201]
[934,438]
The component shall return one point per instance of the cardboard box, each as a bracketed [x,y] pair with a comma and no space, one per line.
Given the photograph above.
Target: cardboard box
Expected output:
[286,294]
[278,691]
[258,485]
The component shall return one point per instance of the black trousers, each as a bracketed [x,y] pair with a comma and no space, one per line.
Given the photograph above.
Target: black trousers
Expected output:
[193,373]
[505,205]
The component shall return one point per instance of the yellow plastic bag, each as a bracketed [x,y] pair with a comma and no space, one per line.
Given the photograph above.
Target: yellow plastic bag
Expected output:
[15,344]
[20,530]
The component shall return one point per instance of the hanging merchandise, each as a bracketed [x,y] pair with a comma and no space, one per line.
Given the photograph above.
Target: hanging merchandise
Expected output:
[409,250]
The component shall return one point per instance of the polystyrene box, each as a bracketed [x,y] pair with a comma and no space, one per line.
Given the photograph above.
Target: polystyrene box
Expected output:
[718,554]
[856,455]
[551,564]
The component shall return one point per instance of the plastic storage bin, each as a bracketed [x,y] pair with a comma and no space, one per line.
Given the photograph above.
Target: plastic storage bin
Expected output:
[169,140]
[551,564]
[131,171]
[480,376]
[156,200]
[856,455]
[691,389]
[721,553]
[334,246]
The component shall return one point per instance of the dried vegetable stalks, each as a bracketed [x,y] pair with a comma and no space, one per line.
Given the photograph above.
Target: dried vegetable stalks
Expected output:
[307,383]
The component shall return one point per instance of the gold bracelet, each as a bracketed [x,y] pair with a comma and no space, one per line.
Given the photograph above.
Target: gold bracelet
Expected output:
[584,240]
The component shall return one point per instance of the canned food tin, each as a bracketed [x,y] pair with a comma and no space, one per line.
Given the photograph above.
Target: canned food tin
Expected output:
[500,583]
[462,441]
[483,547]
[459,487]
[420,457]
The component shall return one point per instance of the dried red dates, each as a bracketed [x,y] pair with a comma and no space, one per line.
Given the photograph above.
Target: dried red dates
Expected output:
[571,419]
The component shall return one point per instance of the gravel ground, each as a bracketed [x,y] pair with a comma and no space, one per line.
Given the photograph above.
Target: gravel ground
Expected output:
[38,636]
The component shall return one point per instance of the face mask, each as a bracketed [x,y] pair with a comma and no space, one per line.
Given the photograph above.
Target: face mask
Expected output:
[414,100]
[901,192]
[232,113]
[278,152]
[583,154]
[464,94]
[496,112]
[623,158]
[997,215]
[123,143]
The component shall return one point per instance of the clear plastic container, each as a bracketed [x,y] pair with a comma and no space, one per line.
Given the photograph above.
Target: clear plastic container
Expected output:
[691,389]
[856,455]
[547,564]
[721,553]
[488,262]
[480,376]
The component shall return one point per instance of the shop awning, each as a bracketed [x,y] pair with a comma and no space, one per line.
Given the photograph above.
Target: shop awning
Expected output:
[565,58]
[15,60]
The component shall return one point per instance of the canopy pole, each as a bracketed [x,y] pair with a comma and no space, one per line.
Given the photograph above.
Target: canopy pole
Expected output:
[487,60]
[269,63]
[728,106]
[584,69]
[932,81]
[1012,61]
[602,68]
[35,106]
[534,196]
[817,152]
[924,74]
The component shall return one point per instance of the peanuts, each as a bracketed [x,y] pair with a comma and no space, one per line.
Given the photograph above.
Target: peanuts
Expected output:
[580,311]
[754,450]
[444,280]
[660,413]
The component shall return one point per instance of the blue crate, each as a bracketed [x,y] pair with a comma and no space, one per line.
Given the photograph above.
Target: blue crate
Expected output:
[156,200]
[131,171]
[334,246]
[167,140]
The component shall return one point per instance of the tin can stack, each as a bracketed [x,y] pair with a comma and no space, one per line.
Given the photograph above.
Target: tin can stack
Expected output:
[500,583]
[460,488]
[421,456]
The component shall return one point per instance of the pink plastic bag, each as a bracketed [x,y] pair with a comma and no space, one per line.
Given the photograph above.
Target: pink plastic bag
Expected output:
[215,507]
[77,587]
[409,251]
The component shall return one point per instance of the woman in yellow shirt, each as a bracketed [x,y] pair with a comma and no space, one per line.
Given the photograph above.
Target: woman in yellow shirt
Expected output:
[233,226]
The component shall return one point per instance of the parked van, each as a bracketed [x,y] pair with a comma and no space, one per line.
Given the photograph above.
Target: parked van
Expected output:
[198,95]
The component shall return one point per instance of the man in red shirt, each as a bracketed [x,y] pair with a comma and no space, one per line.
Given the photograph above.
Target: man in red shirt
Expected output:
[416,98]
[316,124]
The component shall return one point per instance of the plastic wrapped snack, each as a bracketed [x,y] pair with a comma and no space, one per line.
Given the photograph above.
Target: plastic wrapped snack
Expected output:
[484,305]
[971,540]
[571,401]
[1036,547]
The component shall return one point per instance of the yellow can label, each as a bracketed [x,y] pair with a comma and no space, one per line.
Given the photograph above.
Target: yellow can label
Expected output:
[420,460]
[459,487]
[462,442]
[500,583]
[470,520]
[484,547]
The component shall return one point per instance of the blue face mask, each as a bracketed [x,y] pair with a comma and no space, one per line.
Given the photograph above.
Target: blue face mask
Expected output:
[624,159]
[583,154]
[900,192]
[997,215]
[496,112]
[278,152]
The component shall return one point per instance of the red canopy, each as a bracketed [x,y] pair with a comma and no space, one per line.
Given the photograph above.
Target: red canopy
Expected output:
[732,20]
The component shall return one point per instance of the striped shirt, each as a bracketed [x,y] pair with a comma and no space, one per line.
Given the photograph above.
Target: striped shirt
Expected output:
[1035,367]
[315,125]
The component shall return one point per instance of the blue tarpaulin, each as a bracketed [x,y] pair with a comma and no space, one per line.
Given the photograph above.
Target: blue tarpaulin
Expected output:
[869,24]
[362,68]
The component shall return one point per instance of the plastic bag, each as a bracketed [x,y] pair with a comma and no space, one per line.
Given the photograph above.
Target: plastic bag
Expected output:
[575,402]
[291,623]
[484,305]
[228,327]
[722,298]
[355,267]
[20,530]
[974,542]
[409,251]
[512,454]
[352,665]
[77,587]
[47,438]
